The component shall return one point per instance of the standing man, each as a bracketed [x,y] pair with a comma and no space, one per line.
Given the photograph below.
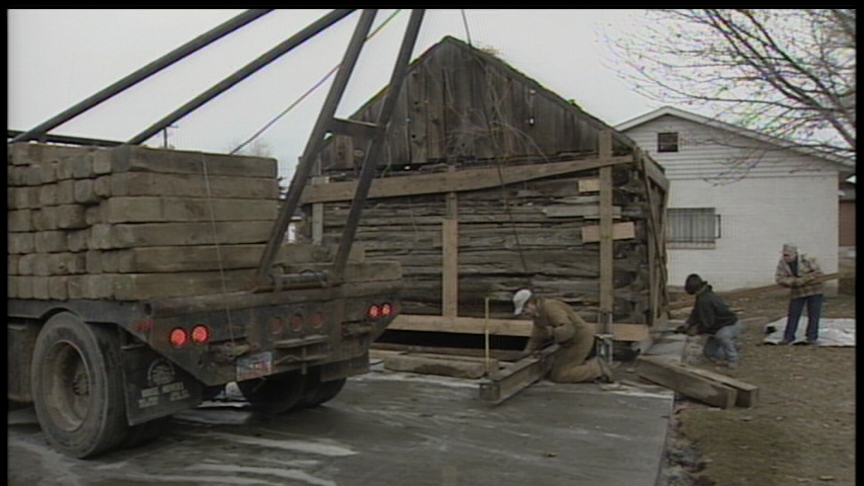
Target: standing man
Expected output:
[557,321]
[712,317]
[798,272]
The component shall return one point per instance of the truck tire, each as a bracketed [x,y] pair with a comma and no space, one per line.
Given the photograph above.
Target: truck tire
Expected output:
[274,394]
[328,391]
[77,385]
[141,434]
[316,392]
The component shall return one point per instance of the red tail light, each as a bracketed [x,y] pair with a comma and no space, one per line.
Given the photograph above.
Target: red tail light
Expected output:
[178,337]
[275,325]
[374,311]
[317,320]
[296,322]
[386,310]
[200,334]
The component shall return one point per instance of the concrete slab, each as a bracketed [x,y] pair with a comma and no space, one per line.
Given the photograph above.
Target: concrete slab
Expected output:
[387,428]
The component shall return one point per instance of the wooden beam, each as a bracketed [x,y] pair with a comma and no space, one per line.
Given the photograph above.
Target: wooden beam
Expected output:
[607,290]
[748,395]
[681,304]
[435,366]
[584,211]
[450,255]
[653,172]
[495,354]
[450,268]
[462,180]
[676,377]
[656,241]
[503,384]
[498,327]
[318,213]
[620,231]
[589,185]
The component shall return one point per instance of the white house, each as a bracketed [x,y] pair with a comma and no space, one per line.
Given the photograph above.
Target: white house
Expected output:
[736,196]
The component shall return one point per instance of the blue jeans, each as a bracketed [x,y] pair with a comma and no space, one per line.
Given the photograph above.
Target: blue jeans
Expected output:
[721,345]
[814,310]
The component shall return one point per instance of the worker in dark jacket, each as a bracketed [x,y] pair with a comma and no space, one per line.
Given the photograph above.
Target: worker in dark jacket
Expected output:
[712,317]
[556,321]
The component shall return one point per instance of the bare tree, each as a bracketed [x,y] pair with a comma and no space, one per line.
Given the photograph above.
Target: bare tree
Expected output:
[789,74]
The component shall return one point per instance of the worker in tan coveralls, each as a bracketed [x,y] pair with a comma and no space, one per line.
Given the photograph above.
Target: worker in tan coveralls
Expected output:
[555,320]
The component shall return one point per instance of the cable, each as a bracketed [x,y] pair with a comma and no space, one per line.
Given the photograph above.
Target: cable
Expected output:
[465,23]
[308,91]
[216,243]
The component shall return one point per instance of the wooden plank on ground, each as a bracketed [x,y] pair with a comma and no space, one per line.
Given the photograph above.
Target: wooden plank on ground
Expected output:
[748,394]
[672,375]
[497,354]
[499,327]
[492,363]
[435,366]
[503,384]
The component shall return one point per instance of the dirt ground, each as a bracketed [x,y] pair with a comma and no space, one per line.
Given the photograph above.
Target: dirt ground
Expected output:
[802,431]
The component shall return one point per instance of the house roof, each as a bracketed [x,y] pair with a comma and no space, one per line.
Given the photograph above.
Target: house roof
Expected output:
[846,163]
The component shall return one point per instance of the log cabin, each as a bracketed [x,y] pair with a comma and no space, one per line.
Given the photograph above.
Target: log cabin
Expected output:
[490,182]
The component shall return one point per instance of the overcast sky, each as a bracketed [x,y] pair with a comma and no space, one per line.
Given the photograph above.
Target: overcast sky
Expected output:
[57,58]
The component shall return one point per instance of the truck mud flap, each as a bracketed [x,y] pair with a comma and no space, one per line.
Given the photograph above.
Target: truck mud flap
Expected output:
[155,387]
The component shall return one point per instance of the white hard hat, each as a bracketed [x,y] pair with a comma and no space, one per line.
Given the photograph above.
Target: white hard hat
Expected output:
[519,300]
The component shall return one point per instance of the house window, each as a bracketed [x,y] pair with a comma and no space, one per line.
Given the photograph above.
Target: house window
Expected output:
[667,142]
[692,227]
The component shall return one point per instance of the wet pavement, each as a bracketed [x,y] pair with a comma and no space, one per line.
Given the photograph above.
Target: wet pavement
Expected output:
[385,428]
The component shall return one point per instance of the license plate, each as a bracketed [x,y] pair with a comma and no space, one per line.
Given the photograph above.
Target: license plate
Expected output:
[254,366]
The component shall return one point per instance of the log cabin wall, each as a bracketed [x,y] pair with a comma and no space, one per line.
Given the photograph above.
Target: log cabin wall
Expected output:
[528,234]
[488,176]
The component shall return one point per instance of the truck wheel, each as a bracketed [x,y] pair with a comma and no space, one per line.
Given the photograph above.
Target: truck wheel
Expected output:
[141,434]
[275,393]
[317,392]
[78,386]
[328,391]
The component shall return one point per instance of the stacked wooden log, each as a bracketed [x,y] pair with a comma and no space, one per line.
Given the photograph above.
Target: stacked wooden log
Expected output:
[541,233]
[134,223]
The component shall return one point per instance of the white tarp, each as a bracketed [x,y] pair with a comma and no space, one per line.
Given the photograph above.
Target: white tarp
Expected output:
[832,332]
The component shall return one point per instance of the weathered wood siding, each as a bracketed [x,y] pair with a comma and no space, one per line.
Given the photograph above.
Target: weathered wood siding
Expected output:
[520,235]
[461,104]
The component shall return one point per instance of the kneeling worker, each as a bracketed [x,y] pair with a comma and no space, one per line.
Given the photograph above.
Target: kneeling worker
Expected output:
[554,319]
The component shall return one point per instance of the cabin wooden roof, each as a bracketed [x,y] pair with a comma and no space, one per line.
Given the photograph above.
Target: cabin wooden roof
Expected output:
[461,104]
